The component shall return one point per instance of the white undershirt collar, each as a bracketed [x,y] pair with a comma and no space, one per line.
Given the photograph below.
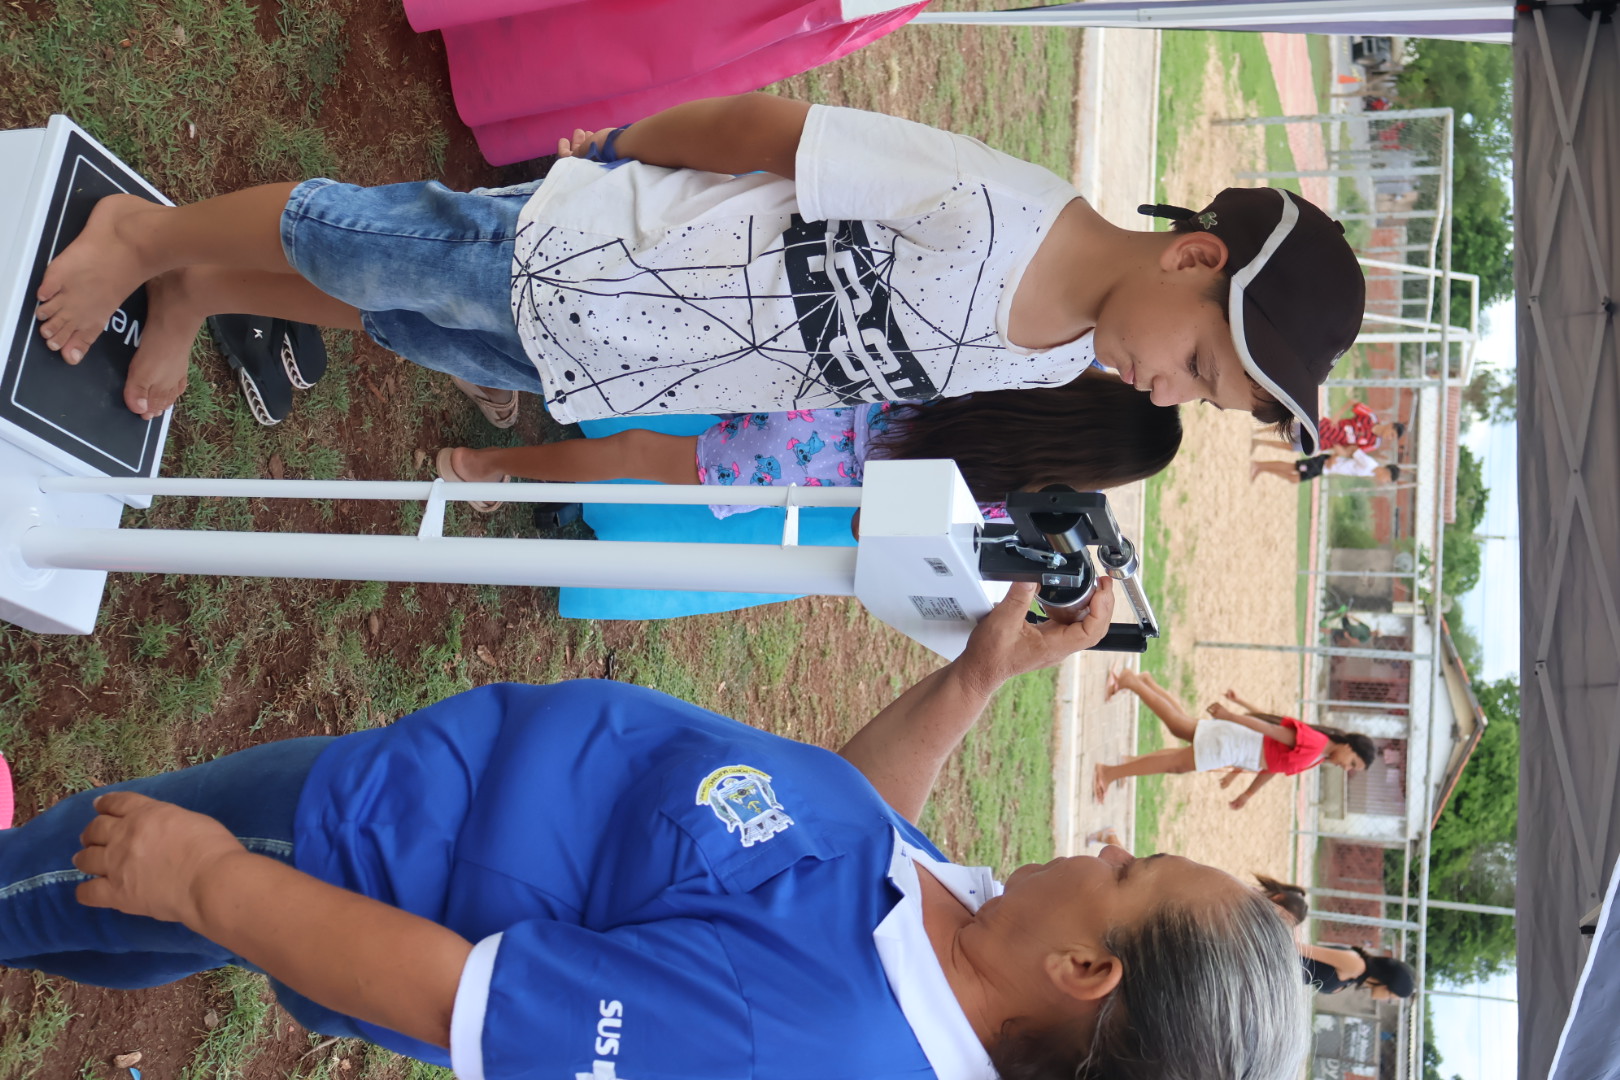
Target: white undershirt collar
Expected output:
[919,984]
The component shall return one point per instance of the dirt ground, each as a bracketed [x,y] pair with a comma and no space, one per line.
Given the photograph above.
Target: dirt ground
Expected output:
[1232,554]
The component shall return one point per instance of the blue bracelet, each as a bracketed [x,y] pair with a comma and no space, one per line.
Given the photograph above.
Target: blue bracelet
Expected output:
[604,152]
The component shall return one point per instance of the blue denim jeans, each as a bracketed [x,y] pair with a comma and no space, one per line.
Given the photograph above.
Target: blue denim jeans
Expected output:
[429,268]
[253,793]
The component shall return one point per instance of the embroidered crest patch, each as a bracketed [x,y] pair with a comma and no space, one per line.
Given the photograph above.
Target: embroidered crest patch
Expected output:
[741,796]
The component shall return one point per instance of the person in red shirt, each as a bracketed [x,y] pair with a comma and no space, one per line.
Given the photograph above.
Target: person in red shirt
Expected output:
[1252,741]
[1361,430]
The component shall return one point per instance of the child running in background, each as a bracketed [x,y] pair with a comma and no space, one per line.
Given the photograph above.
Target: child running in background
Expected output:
[1341,461]
[1093,433]
[1258,742]
[744,254]
[1332,969]
[1361,430]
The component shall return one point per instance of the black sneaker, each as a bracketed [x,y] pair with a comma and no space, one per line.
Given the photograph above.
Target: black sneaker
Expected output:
[557,515]
[303,354]
[253,345]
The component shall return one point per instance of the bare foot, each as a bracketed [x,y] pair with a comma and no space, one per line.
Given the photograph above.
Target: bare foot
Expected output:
[1111,687]
[84,285]
[1099,783]
[157,374]
[1106,835]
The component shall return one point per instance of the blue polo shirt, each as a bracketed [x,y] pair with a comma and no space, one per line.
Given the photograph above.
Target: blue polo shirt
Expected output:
[654,891]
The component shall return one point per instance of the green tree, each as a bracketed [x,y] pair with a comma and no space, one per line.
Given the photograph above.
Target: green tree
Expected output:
[1476,80]
[1467,642]
[1472,849]
[1492,395]
[1462,547]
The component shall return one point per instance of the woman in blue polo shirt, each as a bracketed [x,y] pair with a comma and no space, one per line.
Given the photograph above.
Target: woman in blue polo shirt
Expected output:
[597,881]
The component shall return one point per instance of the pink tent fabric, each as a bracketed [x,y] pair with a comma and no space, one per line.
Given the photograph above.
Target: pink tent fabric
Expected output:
[526,72]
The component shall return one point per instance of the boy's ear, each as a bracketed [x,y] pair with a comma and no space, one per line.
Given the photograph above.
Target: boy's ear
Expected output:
[1194,250]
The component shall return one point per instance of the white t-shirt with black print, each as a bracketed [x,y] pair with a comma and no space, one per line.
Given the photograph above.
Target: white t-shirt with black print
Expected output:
[886,271]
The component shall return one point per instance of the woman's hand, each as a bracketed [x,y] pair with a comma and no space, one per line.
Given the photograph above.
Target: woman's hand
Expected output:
[1231,695]
[147,857]
[1240,802]
[1004,645]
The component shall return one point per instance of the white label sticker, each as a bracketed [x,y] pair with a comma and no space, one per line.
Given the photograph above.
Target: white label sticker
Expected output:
[939,608]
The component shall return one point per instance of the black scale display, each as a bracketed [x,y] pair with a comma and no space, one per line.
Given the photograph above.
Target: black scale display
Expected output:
[80,408]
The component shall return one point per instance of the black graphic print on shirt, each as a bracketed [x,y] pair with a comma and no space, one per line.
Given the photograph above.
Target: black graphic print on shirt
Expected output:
[854,347]
[752,313]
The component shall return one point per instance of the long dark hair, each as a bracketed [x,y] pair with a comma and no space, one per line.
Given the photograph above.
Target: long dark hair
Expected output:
[1390,972]
[1291,898]
[1385,971]
[1358,743]
[1094,432]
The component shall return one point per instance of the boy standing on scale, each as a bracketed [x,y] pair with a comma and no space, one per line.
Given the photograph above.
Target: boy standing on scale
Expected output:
[746,254]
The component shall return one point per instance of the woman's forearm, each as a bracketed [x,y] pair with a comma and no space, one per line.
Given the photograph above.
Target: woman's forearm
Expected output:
[358,956]
[902,748]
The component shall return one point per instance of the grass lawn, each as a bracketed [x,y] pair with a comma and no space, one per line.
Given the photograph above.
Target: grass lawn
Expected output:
[205,96]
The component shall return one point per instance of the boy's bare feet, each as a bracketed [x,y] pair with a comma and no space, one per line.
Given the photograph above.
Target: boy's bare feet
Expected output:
[84,285]
[1100,782]
[1111,686]
[157,374]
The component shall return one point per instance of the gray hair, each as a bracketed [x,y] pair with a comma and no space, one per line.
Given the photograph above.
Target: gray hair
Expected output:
[1209,993]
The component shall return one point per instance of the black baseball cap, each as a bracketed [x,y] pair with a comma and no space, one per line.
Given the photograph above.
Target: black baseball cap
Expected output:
[1297,292]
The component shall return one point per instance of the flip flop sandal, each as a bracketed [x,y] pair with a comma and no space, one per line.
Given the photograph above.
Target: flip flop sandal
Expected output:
[303,354]
[500,413]
[8,800]
[441,462]
[252,345]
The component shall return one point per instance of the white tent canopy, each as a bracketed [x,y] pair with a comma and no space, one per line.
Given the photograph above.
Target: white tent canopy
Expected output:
[1472,20]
